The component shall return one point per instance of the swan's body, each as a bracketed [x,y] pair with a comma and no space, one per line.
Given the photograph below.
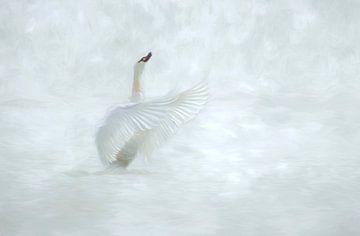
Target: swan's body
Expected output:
[140,126]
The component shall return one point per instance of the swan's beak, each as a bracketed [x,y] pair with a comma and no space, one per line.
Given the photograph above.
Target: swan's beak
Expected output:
[145,58]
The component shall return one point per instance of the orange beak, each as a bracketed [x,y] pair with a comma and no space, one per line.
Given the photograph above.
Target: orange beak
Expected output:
[146,58]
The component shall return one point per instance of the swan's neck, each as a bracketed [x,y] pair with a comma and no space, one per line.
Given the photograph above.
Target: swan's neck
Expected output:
[137,89]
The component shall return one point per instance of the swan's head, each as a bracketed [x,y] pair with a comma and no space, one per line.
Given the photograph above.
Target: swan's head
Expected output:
[139,66]
[145,58]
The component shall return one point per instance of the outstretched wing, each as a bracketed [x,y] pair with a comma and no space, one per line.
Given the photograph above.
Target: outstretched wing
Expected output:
[141,127]
[181,109]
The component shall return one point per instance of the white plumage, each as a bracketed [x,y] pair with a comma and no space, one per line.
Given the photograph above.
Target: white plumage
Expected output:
[139,127]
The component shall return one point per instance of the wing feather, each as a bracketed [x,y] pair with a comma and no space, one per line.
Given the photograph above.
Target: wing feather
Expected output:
[140,127]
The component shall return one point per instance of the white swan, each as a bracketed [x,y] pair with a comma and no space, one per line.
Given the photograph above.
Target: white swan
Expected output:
[140,126]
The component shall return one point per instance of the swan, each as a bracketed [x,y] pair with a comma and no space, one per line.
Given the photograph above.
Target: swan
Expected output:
[140,126]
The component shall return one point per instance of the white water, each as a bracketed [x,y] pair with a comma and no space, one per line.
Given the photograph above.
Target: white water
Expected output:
[275,152]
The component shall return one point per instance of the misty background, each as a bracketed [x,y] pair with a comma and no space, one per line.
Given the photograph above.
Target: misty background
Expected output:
[275,152]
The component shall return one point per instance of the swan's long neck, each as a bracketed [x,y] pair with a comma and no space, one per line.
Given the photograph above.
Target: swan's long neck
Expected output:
[137,90]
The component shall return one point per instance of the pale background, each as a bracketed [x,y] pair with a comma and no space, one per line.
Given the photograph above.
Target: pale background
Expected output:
[275,152]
